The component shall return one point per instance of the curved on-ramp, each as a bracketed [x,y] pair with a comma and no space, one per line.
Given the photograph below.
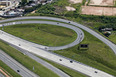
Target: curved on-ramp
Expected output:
[78,31]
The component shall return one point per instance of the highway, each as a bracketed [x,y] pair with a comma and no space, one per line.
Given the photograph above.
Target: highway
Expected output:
[15,65]
[53,57]
[103,39]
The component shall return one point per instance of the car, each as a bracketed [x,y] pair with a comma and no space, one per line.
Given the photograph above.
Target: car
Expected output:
[60,59]
[71,61]
[18,70]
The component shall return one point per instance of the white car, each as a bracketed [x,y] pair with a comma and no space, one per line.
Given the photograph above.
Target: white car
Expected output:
[13,23]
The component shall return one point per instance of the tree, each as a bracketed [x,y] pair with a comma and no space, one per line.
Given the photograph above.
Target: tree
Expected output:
[23,2]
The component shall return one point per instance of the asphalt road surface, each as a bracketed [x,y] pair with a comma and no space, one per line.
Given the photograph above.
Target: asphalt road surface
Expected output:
[17,67]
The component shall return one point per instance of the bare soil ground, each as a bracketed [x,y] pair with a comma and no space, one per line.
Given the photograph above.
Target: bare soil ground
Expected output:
[102,2]
[75,1]
[68,8]
[92,10]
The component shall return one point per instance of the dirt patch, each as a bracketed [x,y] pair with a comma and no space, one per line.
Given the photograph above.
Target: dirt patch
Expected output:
[59,9]
[102,2]
[92,10]
[75,1]
[68,8]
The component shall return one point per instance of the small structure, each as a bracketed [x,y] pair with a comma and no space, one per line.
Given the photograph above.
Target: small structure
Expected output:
[83,46]
[107,29]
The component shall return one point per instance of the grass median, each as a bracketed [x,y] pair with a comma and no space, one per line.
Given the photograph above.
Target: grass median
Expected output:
[9,70]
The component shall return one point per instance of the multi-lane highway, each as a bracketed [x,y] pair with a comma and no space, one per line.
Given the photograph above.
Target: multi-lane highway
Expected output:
[17,67]
[56,58]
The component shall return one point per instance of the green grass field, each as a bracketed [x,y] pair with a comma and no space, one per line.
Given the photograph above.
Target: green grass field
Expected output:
[26,61]
[98,55]
[44,34]
[9,70]
[112,37]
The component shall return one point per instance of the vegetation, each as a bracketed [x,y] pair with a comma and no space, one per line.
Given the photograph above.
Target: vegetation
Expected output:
[26,61]
[23,2]
[44,34]
[27,10]
[46,9]
[112,37]
[9,70]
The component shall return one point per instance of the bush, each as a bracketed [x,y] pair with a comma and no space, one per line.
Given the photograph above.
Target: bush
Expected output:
[47,9]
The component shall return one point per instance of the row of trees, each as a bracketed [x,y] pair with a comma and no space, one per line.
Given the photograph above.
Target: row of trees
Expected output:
[102,19]
[24,2]
[113,26]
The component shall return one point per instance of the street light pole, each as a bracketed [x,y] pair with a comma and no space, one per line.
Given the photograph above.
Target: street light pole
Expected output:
[2,27]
